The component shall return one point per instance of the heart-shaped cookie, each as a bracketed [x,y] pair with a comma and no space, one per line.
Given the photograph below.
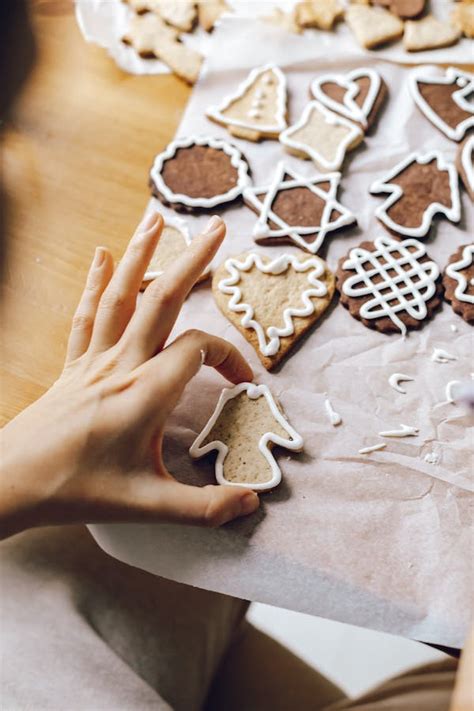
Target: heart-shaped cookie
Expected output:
[273,302]
[357,95]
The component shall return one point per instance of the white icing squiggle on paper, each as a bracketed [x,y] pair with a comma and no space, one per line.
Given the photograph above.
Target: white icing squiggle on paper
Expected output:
[395,379]
[294,441]
[454,270]
[349,108]
[334,417]
[393,293]
[453,328]
[449,391]
[432,458]
[373,448]
[404,431]
[279,265]
[441,356]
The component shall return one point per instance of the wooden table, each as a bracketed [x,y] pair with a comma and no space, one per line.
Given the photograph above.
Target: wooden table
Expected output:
[75,166]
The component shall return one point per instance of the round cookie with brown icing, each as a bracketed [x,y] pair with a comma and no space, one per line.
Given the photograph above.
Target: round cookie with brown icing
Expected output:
[199,173]
[458,282]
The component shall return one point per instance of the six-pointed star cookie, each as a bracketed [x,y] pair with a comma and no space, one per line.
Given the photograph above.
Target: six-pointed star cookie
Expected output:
[293,208]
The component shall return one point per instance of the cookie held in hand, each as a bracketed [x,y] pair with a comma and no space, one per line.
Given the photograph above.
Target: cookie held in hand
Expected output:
[390,286]
[243,429]
[458,282]
[199,173]
[273,302]
[420,188]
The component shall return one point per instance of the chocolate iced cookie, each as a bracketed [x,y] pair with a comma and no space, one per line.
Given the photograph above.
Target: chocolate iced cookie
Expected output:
[199,173]
[390,286]
[458,282]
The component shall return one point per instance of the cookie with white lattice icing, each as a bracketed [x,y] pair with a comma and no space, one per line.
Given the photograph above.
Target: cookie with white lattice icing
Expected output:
[173,240]
[444,100]
[419,188]
[243,429]
[357,95]
[296,209]
[273,301]
[257,109]
[389,285]
[465,164]
[458,282]
[199,173]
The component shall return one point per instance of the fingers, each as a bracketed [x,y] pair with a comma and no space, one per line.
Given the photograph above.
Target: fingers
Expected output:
[99,275]
[166,375]
[162,301]
[118,302]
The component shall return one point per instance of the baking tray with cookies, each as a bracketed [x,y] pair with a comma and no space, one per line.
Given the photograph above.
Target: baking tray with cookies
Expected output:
[346,278]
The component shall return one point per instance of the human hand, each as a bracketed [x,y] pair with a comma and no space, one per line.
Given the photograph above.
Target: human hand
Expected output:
[90,449]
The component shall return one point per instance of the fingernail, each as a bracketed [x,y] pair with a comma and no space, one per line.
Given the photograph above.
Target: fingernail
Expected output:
[213,223]
[149,221]
[249,503]
[99,257]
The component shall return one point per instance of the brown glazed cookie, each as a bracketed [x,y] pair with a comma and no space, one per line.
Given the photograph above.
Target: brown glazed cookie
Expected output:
[199,173]
[419,188]
[405,9]
[458,282]
[444,100]
[465,164]
[357,95]
[390,286]
[295,209]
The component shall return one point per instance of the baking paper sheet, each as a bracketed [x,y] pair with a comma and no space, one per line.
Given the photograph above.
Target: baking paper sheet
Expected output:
[105,22]
[382,540]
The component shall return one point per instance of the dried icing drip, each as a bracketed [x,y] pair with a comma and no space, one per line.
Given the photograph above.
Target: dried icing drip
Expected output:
[449,390]
[373,448]
[441,356]
[394,381]
[432,458]
[404,431]
[334,417]
[454,328]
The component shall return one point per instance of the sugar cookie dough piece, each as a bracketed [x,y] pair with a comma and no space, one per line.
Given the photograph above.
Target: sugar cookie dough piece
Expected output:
[321,14]
[246,424]
[462,18]
[373,26]
[210,11]
[273,302]
[428,33]
[285,20]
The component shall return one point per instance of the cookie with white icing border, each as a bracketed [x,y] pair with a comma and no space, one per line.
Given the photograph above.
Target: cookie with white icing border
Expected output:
[465,164]
[458,282]
[357,95]
[174,238]
[390,286]
[274,301]
[322,136]
[257,109]
[297,209]
[420,187]
[199,173]
[245,426]
[443,99]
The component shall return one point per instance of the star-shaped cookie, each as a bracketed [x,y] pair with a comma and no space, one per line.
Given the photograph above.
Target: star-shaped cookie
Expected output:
[297,209]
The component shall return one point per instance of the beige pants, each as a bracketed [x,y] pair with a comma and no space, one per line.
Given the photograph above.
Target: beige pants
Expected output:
[82,632]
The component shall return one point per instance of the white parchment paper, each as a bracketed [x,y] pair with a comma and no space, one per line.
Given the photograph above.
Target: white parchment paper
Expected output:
[105,22]
[382,540]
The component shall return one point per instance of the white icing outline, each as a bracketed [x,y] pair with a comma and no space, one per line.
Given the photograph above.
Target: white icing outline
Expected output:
[452,75]
[395,379]
[178,224]
[395,192]
[331,118]
[427,273]
[404,431]
[349,108]
[334,417]
[278,265]
[452,271]
[441,356]
[237,161]
[216,112]
[294,441]
[467,162]
[373,448]
[295,232]
[449,391]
